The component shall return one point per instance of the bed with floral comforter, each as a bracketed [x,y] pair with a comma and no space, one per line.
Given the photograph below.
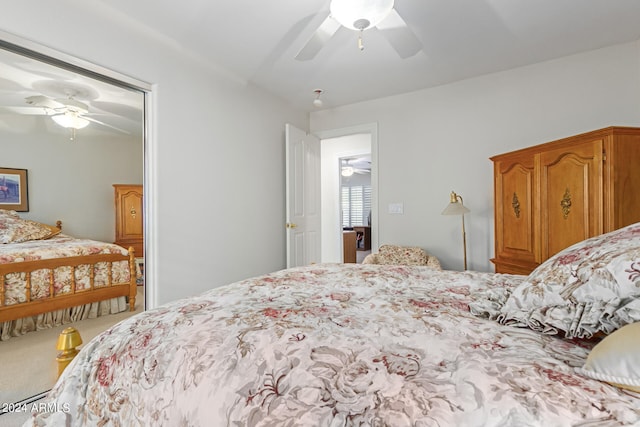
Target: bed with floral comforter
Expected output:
[60,246]
[336,345]
[59,279]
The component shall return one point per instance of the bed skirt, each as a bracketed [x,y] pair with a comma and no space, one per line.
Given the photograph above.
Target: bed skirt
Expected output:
[15,328]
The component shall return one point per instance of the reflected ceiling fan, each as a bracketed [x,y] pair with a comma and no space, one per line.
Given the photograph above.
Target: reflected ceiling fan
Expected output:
[361,15]
[348,169]
[67,112]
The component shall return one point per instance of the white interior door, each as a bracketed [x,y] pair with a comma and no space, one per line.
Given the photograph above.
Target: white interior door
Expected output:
[303,197]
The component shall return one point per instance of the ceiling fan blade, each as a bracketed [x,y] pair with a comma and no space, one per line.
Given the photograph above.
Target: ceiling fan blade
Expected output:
[105,124]
[320,37]
[43,102]
[24,111]
[399,35]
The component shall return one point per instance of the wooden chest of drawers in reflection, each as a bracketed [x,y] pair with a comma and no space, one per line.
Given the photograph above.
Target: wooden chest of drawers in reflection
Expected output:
[129,217]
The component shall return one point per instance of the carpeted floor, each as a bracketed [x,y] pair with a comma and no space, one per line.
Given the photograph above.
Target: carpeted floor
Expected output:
[29,365]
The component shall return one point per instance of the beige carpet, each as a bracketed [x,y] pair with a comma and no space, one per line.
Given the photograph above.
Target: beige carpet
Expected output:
[28,362]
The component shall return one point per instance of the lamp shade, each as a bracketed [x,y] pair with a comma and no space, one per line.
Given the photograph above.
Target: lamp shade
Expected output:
[455,206]
[360,14]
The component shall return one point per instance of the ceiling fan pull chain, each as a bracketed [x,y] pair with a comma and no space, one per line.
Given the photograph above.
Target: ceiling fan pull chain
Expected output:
[360,43]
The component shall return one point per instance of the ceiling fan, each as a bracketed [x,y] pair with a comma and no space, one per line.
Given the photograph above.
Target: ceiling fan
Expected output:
[67,112]
[361,15]
[347,169]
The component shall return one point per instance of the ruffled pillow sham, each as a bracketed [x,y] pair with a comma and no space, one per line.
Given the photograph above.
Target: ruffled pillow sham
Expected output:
[588,288]
[14,229]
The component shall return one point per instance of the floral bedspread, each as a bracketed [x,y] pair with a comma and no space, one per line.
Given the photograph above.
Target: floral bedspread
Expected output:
[58,247]
[335,345]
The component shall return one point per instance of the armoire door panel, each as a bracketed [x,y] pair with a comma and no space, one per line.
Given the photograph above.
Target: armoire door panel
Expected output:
[131,214]
[129,204]
[571,196]
[516,212]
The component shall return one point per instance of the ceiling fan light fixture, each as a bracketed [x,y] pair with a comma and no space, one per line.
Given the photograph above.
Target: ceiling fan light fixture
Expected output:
[360,14]
[317,102]
[74,105]
[70,120]
[347,171]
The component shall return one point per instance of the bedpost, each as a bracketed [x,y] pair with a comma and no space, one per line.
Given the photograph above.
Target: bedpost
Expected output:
[68,340]
[133,290]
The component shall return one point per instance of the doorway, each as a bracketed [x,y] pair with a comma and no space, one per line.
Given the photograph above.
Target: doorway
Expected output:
[357,142]
[355,206]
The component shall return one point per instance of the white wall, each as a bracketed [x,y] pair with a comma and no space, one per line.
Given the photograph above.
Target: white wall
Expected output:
[213,225]
[216,187]
[332,149]
[440,139]
[71,181]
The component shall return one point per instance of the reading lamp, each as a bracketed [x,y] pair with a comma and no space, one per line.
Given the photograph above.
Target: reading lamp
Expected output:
[456,207]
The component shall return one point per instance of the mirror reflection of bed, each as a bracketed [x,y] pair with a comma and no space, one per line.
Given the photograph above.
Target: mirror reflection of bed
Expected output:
[70,179]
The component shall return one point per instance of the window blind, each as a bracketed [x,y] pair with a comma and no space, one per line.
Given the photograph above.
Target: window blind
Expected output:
[356,205]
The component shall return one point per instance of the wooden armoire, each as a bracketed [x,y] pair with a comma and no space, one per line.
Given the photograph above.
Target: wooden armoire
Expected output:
[550,196]
[129,217]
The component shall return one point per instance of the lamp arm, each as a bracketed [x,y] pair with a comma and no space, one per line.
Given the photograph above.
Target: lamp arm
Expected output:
[455,197]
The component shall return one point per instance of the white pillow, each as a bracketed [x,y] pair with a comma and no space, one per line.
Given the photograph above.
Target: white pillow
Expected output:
[616,359]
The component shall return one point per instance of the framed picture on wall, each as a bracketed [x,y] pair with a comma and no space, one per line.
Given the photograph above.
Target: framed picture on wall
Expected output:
[13,190]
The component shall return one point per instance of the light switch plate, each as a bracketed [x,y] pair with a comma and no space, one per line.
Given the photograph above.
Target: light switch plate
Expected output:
[396,208]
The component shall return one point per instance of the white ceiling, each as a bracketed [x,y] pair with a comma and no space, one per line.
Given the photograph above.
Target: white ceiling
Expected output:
[258,40]
[118,110]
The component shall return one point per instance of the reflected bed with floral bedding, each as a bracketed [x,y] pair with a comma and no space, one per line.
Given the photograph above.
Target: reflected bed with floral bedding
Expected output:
[48,278]
[337,345]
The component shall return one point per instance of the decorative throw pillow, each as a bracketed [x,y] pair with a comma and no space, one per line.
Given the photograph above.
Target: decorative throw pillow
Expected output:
[6,213]
[401,255]
[616,359]
[590,287]
[17,230]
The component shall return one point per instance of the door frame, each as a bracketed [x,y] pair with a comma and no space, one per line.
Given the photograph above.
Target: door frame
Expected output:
[372,130]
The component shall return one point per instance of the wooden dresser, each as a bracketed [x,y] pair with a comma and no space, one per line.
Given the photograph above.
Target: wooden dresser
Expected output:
[363,237]
[550,196]
[129,217]
[349,243]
